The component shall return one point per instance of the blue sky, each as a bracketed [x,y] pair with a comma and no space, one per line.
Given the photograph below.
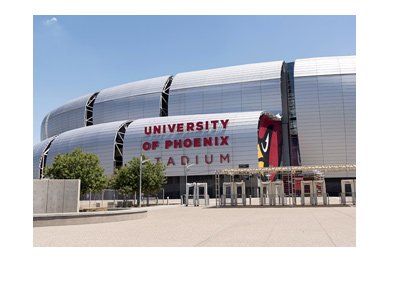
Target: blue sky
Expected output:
[77,55]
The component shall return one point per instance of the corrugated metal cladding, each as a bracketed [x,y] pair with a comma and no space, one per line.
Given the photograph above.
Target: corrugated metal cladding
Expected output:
[38,150]
[139,99]
[67,117]
[325,66]
[325,103]
[241,130]
[325,92]
[134,100]
[231,89]
[98,139]
[43,127]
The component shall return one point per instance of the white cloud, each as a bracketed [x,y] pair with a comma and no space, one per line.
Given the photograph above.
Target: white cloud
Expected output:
[51,21]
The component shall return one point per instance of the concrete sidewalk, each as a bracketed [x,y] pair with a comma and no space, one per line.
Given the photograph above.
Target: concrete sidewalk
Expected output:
[190,226]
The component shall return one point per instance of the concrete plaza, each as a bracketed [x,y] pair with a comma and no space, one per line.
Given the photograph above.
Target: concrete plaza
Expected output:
[177,225]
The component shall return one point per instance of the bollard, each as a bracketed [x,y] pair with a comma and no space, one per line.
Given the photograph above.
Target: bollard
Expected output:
[181,200]
[167,200]
[250,200]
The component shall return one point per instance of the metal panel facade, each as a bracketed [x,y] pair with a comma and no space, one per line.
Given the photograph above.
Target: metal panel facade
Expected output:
[232,89]
[325,103]
[326,112]
[241,147]
[38,150]
[67,117]
[43,127]
[133,100]
[325,66]
[98,139]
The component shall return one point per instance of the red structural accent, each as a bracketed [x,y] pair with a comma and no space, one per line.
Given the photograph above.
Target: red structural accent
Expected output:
[270,141]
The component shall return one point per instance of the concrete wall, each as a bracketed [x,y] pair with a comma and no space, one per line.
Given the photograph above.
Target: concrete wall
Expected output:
[56,196]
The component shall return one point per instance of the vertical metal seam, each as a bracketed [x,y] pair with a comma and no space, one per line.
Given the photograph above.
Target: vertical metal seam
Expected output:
[320,123]
[344,113]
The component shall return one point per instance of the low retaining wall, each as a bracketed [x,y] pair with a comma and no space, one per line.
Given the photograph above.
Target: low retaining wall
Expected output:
[86,217]
[56,196]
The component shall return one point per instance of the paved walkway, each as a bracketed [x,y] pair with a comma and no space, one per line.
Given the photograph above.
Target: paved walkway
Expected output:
[189,226]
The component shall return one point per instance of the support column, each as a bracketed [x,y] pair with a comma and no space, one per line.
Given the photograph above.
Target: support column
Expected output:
[303,184]
[323,191]
[195,195]
[278,186]
[272,195]
[343,195]
[205,192]
[313,195]
[233,195]
[224,186]
[263,192]
[188,185]
[187,195]
[243,187]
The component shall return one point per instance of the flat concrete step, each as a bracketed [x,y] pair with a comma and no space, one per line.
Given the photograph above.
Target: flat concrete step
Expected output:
[56,219]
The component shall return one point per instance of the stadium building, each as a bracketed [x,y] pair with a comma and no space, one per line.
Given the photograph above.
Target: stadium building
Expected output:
[248,116]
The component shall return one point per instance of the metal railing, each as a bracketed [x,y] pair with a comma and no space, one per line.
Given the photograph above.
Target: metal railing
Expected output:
[288,200]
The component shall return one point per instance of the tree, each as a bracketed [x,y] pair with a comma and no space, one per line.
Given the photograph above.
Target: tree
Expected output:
[153,178]
[79,165]
[126,179]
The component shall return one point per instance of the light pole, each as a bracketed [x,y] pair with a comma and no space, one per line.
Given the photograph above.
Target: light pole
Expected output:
[140,180]
[186,192]
[187,168]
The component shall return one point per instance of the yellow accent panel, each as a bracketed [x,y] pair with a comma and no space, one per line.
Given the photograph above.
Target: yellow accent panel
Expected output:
[260,164]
